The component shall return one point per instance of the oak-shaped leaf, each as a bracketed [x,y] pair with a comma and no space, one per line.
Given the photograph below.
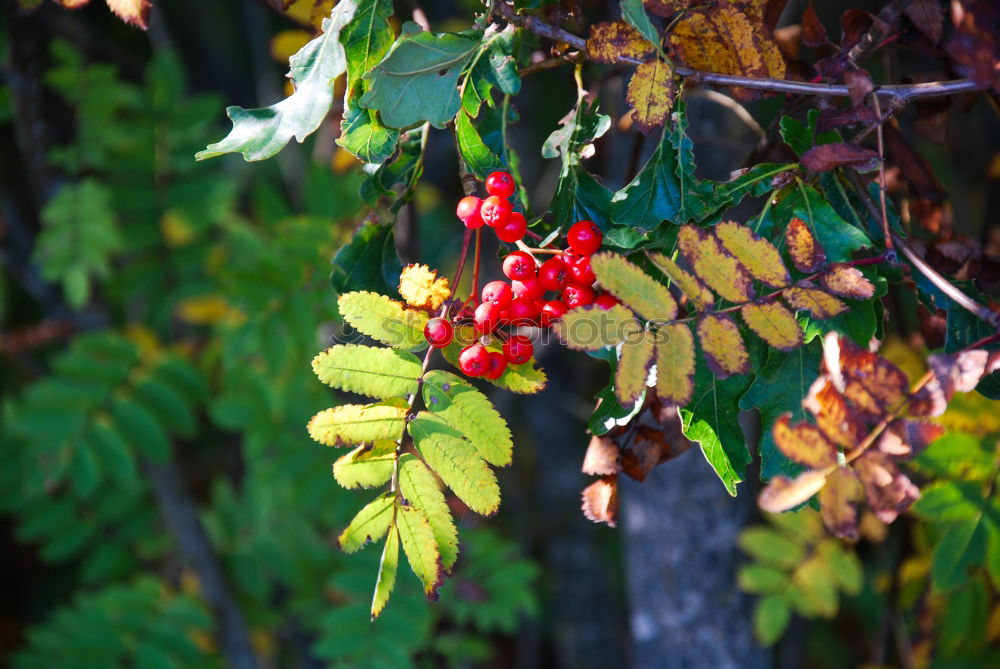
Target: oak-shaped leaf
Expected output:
[759,256]
[636,289]
[807,254]
[355,423]
[421,548]
[600,501]
[602,458]
[369,524]
[847,281]
[675,364]
[421,491]
[720,271]
[610,41]
[723,346]
[827,157]
[697,294]
[378,372]
[383,319]
[469,411]
[367,466]
[651,92]
[804,443]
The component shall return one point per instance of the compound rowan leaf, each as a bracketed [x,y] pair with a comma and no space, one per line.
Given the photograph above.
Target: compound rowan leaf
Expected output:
[783,493]
[804,443]
[369,524]
[422,288]
[807,254]
[723,346]
[421,491]
[610,41]
[847,281]
[651,93]
[757,255]
[633,369]
[383,319]
[600,501]
[454,458]
[367,466]
[818,303]
[697,294]
[387,569]
[421,548]
[839,422]
[721,271]
[471,413]
[357,423]
[636,289]
[591,328]
[872,383]
[838,502]
[774,324]
[675,364]
[368,370]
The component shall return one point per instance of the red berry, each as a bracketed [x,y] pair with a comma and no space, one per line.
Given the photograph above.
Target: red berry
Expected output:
[523,312]
[551,311]
[519,266]
[488,316]
[529,289]
[584,237]
[498,292]
[577,296]
[468,212]
[498,364]
[513,229]
[518,350]
[605,301]
[495,211]
[438,332]
[581,273]
[474,360]
[553,274]
[500,184]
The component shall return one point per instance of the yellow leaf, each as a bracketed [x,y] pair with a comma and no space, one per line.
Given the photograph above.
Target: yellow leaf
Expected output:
[723,346]
[311,12]
[383,319]
[807,254]
[675,364]
[132,12]
[610,41]
[591,328]
[838,502]
[848,281]
[758,255]
[368,370]
[369,524]
[176,228]
[208,310]
[356,424]
[696,293]
[819,304]
[722,272]
[633,369]
[287,43]
[636,289]
[420,546]
[651,93]
[366,466]
[774,324]
[422,288]
[804,443]
[421,489]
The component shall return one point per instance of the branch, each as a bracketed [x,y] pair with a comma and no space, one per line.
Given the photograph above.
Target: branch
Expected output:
[869,41]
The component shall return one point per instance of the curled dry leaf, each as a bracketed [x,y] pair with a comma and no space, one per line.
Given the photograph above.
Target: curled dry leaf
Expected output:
[600,501]
[848,281]
[610,41]
[783,493]
[828,157]
[602,457]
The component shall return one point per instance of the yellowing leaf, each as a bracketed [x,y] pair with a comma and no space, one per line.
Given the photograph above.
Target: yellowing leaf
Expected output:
[384,319]
[758,255]
[651,93]
[782,493]
[633,369]
[421,548]
[422,288]
[838,502]
[422,491]
[722,272]
[804,443]
[848,281]
[471,413]
[701,297]
[366,466]
[807,254]
[591,328]
[387,569]
[774,324]
[639,291]
[722,345]
[356,423]
[610,41]
[132,12]
[378,372]
[675,364]
[208,310]
[370,524]
[819,304]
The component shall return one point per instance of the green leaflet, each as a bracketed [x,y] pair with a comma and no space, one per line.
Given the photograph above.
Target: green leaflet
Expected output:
[770,619]
[356,424]
[367,262]
[367,466]
[396,179]
[421,490]
[479,157]
[261,133]
[362,133]
[370,524]
[384,319]
[526,379]
[470,412]
[421,548]
[493,65]
[387,569]
[378,372]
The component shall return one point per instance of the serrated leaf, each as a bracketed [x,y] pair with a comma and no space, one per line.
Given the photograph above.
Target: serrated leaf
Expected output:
[355,423]
[261,133]
[773,323]
[471,413]
[783,493]
[454,458]
[591,328]
[651,92]
[806,253]
[770,619]
[632,372]
[384,319]
[723,346]
[804,443]
[387,568]
[848,282]
[132,12]
[639,291]
[817,302]
[367,466]
[378,372]
[369,524]
[610,41]
[422,288]
[140,428]
[494,65]
[600,501]
[697,294]
[421,549]
[675,364]
[758,256]
[480,158]
[421,490]
[722,272]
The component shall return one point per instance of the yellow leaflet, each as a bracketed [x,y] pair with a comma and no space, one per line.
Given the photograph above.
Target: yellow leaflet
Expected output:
[370,524]
[807,254]
[758,255]
[675,364]
[837,502]
[591,328]
[651,94]
[633,368]
[422,491]
[368,370]
[804,443]
[421,548]
[387,569]
[722,272]
[723,346]
[849,282]
[701,297]
[816,302]
[610,41]
[366,466]
[774,324]
[639,291]
[356,423]
[383,319]
[422,288]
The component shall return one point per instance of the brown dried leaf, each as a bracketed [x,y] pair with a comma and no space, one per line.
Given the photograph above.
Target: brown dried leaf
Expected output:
[651,93]
[610,41]
[723,346]
[889,491]
[920,433]
[602,457]
[870,382]
[848,281]
[973,47]
[600,501]
[859,85]
[820,304]
[758,255]
[836,420]
[807,254]
[961,372]
[132,12]
[813,31]
[722,272]
[827,157]
[633,369]
[927,17]
[838,503]
[830,119]
[675,364]
[699,296]
[782,493]
[774,324]
[804,443]
[665,8]
[644,453]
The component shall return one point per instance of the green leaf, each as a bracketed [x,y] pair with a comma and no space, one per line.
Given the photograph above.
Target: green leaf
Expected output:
[959,456]
[814,585]
[367,466]
[844,565]
[261,133]
[471,413]
[378,372]
[139,427]
[591,328]
[837,237]
[396,179]
[421,490]
[796,135]
[455,460]
[759,580]
[356,424]
[362,132]
[480,159]
[493,65]
[771,548]
[367,262]
[369,524]
[635,15]
[962,546]
[770,619]
[421,548]
[639,291]
[417,80]
[526,379]
[384,319]
[949,501]
[387,569]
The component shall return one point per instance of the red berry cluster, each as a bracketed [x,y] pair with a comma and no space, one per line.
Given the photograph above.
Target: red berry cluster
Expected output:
[523,301]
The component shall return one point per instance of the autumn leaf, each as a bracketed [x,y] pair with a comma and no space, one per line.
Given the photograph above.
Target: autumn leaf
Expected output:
[600,501]
[610,41]
[697,294]
[927,17]
[675,364]
[818,303]
[827,157]
[722,272]
[838,503]
[602,457]
[804,443]
[813,31]
[651,93]
[847,281]
[807,254]
[633,369]
[870,382]
[774,324]
[132,12]
[839,422]
[782,493]
[422,288]
[757,255]
[723,346]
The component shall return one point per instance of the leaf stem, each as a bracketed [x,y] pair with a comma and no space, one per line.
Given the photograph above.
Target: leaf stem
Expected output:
[475,267]
[881,173]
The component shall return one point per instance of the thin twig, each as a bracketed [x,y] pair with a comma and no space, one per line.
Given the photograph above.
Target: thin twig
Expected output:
[881,174]
[550,63]
[475,266]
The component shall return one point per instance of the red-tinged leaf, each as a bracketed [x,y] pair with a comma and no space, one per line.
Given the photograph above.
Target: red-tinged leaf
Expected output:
[723,346]
[804,443]
[830,119]
[868,381]
[782,493]
[962,372]
[847,281]
[893,441]
[889,491]
[920,434]
[722,272]
[818,303]
[813,31]
[600,501]
[927,17]
[610,41]
[828,157]
[602,457]
[133,12]
[644,452]
[675,364]
[806,253]
[854,23]
[859,85]
[838,503]
[837,421]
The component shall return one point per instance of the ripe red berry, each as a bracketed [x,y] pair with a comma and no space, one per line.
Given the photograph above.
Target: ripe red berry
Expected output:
[584,237]
[553,274]
[523,312]
[513,229]
[468,212]
[518,350]
[605,301]
[519,266]
[577,296]
[500,184]
[498,364]
[551,311]
[488,316]
[474,360]
[495,211]
[438,332]
[581,273]
[529,289]
[498,292]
